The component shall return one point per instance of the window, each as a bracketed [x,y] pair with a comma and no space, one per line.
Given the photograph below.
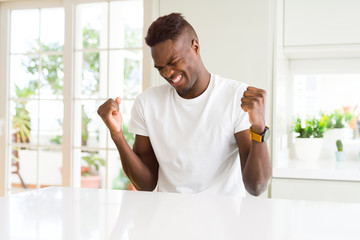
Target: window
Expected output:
[43,94]
[316,93]
[328,90]
[108,63]
[36,92]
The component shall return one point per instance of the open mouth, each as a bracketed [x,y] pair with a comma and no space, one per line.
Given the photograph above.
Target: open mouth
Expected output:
[176,81]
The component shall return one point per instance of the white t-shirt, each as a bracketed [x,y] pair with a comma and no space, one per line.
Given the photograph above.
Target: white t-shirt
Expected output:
[193,139]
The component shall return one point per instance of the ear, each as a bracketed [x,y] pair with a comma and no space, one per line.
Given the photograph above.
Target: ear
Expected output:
[195,46]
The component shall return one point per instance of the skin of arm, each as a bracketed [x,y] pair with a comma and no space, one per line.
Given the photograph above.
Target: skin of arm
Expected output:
[139,163]
[254,156]
[255,163]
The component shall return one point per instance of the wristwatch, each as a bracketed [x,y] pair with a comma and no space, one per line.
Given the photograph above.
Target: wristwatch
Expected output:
[262,137]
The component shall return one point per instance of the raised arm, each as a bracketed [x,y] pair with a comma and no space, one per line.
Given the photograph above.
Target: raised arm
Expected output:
[254,156]
[139,164]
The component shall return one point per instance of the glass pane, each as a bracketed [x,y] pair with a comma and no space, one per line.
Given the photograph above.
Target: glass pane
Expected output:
[117,177]
[90,128]
[23,168]
[125,69]
[51,119]
[24,121]
[126,24]
[126,107]
[91,72]
[111,144]
[52,29]
[91,26]
[50,167]
[334,99]
[24,27]
[325,93]
[52,81]
[24,76]
[93,169]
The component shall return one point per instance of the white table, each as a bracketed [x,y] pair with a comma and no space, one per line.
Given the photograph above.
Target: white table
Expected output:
[66,213]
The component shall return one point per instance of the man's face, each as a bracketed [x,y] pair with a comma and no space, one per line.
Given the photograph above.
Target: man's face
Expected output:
[177,62]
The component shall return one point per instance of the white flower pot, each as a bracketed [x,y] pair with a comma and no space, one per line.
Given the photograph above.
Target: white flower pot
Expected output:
[308,149]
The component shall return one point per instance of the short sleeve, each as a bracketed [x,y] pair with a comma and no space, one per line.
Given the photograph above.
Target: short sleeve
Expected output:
[137,122]
[241,117]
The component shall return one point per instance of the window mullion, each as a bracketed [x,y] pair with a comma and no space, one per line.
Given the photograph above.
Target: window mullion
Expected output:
[69,167]
[4,101]
[38,103]
[107,95]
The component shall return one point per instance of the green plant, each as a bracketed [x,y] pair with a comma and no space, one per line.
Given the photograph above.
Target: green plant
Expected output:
[93,162]
[310,128]
[56,139]
[91,40]
[21,119]
[21,124]
[51,65]
[339,145]
[337,119]
[51,71]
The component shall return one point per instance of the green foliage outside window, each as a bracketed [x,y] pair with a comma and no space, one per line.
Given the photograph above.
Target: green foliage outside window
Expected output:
[21,119]
[52,66]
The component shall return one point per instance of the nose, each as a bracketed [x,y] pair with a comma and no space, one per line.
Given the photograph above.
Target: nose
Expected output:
[167,72]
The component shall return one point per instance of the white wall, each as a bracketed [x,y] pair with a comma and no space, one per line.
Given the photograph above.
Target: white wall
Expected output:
[321,22]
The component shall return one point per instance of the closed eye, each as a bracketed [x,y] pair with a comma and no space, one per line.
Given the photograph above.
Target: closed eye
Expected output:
[173,63]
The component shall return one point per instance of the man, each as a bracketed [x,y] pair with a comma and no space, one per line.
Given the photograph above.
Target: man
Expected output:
[190,133]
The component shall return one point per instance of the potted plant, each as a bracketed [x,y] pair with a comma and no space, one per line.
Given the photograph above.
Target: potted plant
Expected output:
[308,141]
[90,177]
[340,154]
[337,127]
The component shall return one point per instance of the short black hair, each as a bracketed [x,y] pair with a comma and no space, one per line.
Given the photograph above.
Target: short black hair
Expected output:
[167,27]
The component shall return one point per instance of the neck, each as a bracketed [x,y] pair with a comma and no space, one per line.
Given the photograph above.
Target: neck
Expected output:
[203,80]
[201,84]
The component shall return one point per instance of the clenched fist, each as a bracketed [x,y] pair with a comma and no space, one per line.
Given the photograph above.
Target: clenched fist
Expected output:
[110,114]
[253,102]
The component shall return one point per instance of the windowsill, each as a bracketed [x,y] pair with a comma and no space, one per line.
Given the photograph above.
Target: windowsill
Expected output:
[322,169]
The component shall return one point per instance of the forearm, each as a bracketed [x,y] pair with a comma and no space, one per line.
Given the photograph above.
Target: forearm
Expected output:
[257,171]
[136,170]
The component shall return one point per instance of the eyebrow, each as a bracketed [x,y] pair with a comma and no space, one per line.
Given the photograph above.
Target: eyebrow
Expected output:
[169,62]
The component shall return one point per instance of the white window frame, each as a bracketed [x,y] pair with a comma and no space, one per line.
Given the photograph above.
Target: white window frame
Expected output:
[305,66]
[70,168]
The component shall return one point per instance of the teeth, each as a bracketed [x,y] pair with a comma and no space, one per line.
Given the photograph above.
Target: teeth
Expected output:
[177,79]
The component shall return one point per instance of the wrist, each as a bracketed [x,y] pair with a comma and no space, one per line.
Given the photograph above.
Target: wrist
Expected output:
[116,135]
[258,128]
